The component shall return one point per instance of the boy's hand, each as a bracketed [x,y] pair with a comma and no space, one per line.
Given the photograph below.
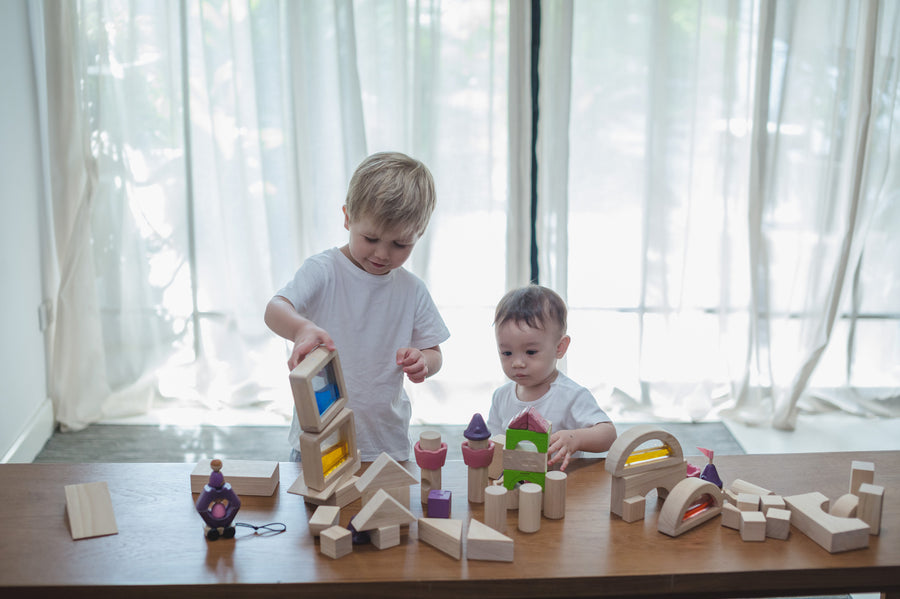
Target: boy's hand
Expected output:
[307,340]
[563,445]
[413,363]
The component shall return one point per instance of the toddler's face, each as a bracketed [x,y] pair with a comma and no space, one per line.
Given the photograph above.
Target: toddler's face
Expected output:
[375,250]
[528,355]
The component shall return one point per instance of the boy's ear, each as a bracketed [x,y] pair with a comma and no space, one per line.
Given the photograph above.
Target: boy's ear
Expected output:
[562,346]
[346,218]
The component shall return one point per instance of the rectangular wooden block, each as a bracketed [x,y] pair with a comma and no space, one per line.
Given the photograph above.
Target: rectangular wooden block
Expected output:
[748,502]
[871,499]
[495,470]
[246,477]
[525,461]
[778,523]
[767,502]
[731,516]
[89,509]
[861,472]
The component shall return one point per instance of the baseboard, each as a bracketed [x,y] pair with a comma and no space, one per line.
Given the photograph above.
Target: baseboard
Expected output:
[33,437]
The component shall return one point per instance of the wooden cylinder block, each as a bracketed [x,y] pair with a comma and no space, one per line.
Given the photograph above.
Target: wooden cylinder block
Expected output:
[530,499]
[555,495]
[495,507]
[431,479]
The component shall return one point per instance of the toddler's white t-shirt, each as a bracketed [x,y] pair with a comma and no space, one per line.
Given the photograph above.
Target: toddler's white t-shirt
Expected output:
[369,317]
[567,405]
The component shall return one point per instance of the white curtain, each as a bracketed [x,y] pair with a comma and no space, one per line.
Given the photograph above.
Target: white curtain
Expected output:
[199,151]
[732,188]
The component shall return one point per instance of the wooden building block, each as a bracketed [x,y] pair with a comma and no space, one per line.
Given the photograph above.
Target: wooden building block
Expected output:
[430,478]
[530,502]
[485,543]
[555,495]
[439,503]
[778,523]
[861,472]
[691,503]
[753,526]
[324,517]
[731,516]
[634,485]
[626,456]
[748,502]
[495,470]
[526,461]
[340,492]
[246,477]
[89,510]
[768,502]
[382,510]
[401,494]
[809,515]
[495,507]
[871,500]
[633,508]
[742,486]
[330,454]
[385,473]
[845,506]
[320,393]
[336,542]
[385,537]
[443,534]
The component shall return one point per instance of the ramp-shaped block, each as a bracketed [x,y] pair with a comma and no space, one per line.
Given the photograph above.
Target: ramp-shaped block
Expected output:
[485,543]
[443,534]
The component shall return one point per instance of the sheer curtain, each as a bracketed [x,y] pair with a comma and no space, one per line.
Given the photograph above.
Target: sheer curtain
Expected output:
[732,183]
[717,182]
[202,151]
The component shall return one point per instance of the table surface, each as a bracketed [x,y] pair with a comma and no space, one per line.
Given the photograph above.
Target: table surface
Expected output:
[160,547]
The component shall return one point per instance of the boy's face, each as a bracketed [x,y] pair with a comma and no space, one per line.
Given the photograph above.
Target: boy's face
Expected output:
[376,250]
[528,355]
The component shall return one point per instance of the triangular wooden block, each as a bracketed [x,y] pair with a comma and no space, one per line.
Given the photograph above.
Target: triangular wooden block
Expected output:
[89,508]
[385,473]
[382,510]
[485,543]
[443,534]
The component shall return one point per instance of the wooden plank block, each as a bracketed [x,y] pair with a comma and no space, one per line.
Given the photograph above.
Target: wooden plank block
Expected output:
[340,492]
[246,477]
[861,472]
[89,509]
[443,534]
[485,543]
[809,515]
[871,500]
[324,517]
[526,461]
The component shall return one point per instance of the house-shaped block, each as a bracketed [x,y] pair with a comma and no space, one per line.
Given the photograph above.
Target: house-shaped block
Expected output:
[520,463]
[386,473]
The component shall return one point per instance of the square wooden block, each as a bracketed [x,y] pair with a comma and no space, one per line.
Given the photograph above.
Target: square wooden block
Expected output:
[336,542]
[753,526]
[319,390]
[778,523]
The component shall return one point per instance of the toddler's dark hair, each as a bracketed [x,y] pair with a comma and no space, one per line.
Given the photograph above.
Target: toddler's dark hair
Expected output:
[534,305]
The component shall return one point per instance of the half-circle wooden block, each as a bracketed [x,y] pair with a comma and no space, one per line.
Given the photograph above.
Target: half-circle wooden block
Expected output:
[691,503]
[622,458]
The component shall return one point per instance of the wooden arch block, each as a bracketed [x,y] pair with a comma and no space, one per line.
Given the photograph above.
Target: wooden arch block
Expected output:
[691,503]
[834,534]
[669,450]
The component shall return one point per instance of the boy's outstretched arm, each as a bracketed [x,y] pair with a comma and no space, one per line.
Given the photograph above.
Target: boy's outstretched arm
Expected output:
[419,364]
[595,439]
[286,322]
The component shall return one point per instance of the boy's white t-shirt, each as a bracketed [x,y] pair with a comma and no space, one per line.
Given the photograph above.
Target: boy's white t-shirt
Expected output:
[369,317]
[567,405]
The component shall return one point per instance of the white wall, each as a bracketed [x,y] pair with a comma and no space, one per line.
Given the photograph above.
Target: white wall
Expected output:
[26,420]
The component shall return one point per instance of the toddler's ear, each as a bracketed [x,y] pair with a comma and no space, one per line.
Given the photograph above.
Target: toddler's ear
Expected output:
[562,346]
[346,217]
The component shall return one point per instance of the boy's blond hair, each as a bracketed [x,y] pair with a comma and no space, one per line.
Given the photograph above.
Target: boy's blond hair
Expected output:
[534,305]
[394,190]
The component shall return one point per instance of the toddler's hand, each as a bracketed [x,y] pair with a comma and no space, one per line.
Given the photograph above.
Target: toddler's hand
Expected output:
[309,339]
[413,363]
[563,445]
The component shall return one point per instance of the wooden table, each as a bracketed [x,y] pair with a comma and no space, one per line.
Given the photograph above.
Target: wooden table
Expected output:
[160,548]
